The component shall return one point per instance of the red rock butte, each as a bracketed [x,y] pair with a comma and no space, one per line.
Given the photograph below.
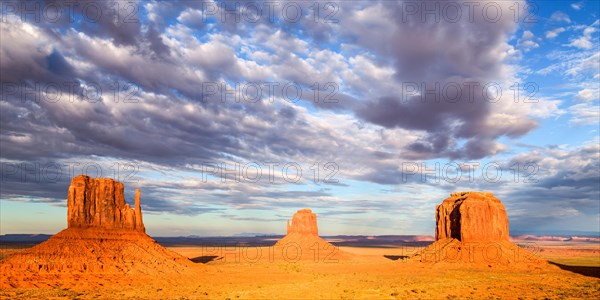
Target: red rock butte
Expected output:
[471,216]
[105,236]
[303,222]
[100,202]
[303,238]
[472,227]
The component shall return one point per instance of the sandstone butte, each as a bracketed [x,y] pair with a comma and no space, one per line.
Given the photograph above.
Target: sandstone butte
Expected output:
[104,237]
[302,241]
[303,222]
[471,217]
[472,227]
[100,203]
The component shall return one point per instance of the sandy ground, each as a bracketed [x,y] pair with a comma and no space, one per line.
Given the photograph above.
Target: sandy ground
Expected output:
[375,273]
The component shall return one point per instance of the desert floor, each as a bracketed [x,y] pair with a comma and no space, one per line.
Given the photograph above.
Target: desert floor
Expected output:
[372,272]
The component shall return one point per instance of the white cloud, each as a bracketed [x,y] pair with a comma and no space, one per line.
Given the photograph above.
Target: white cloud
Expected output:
[574,63]
[577,5]
[581,66]
[526,42]
[560,16]
[527,35]
[192,17]
[528,45]
[585,114]
[585,41]
[588,94]
[554,33]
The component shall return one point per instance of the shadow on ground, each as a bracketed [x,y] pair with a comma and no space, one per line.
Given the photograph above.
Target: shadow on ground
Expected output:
[395,257]
[204,259]
[583,270]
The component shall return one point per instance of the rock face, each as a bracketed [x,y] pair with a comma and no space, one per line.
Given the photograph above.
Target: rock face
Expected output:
[303,222]
[471,217]
[99,202]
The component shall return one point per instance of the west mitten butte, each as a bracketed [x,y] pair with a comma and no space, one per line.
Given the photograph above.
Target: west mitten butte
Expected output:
[105,237]
[100,203]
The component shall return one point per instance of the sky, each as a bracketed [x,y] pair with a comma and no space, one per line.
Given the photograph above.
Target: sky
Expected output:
[231,115]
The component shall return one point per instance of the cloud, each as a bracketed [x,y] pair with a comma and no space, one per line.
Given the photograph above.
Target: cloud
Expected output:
[584,65]
[189,59]
[566,179]
[192,18]
[560,17]
[574,64]
[577,5]
[180,59]
[119,22]
[588,94]
[585,113]
[526,42]
[554,32]
[465,59]
[527,35]
[585,41]
[528,45]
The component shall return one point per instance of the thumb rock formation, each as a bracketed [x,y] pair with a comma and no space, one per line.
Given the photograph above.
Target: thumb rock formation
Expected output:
[99,202]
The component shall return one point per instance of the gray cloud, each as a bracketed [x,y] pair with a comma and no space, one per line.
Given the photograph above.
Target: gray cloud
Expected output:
[447,54]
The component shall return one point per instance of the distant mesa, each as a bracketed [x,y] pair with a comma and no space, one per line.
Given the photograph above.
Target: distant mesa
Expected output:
[303,222]
[302,241]
[105,236]
[472,227]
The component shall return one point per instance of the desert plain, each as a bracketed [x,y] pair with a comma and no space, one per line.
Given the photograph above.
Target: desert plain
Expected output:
[374,272]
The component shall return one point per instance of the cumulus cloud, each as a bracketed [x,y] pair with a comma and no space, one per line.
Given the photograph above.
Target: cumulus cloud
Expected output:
[446,117]
[585,41]
[186,59]
[526,42]
[192,18]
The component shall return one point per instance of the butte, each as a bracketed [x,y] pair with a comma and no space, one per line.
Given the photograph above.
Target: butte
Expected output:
[472,228]
[302,241]
[105,238]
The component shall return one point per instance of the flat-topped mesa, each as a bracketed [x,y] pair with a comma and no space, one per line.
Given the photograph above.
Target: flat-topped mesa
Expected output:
[471,216]
[303,222]
[100,203]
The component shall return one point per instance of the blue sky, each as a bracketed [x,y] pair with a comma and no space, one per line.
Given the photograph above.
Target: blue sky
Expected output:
[177,98]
